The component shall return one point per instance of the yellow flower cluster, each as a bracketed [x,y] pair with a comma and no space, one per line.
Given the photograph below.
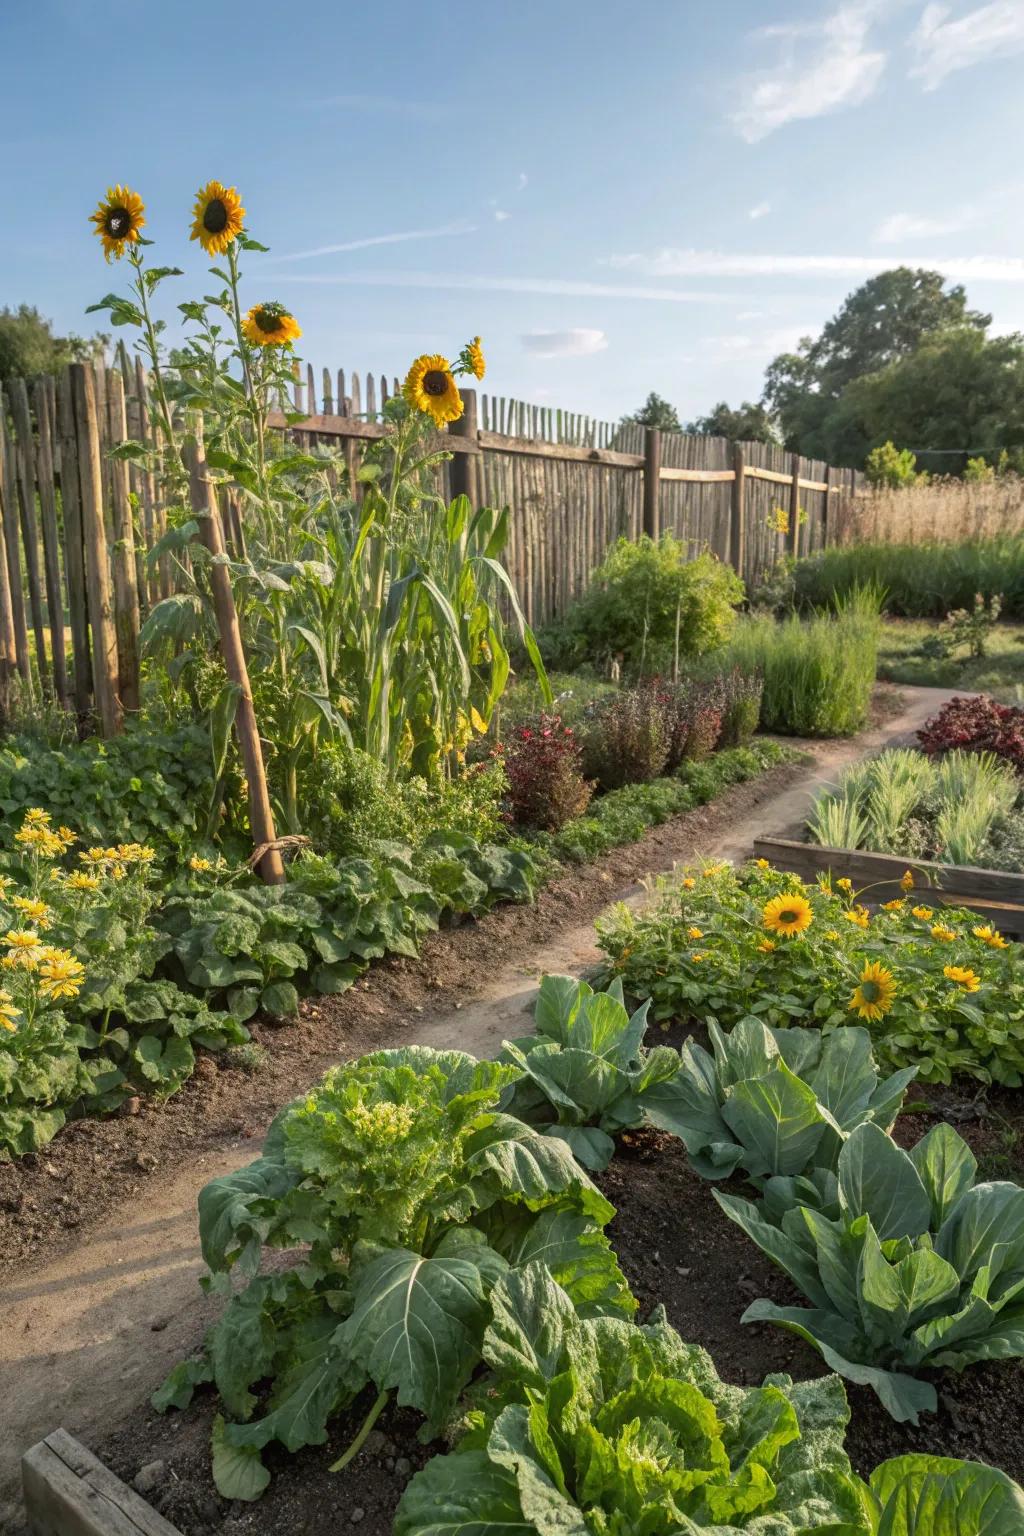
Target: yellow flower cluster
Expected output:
[36,834]
[8,1012]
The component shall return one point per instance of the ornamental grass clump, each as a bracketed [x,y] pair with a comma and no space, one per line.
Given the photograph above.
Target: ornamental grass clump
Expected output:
[787,953]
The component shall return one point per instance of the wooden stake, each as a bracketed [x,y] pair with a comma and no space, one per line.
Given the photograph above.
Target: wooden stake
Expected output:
[122,553]
[12,549]
[737,512]
[652,481]
[41,396]
[74,556]
[462,471]
[794,508]
[25,459]
[261,817]
[94,543]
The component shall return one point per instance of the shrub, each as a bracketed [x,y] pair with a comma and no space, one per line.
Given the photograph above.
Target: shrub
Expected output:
[651,605]
[626,740]
[936,989]
[891,466]
[923,580]
[693,717]
[542,770]
[977,725]
[742,713]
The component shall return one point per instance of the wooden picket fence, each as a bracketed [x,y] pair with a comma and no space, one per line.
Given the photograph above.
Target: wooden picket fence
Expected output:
[77,525]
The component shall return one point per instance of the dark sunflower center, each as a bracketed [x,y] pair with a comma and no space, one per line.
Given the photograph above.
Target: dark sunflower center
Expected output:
[215,217]
[435,382]
[789,917]
[119,223]
[267,320]
[870,991]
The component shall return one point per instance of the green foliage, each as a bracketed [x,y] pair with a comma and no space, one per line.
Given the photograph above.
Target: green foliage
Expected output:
[605,1426]
[740,967]
[585,1072]
[777,1103]
[649,604]
[906,1261]
[818,673]
[28,345]
[890,466]
[748,423]
[412,1195]
[979,471]
[920,581]
[655,412]
[944,1497]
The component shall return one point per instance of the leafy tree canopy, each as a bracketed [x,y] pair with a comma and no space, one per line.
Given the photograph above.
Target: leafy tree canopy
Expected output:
[28,345]
[748,423]
[655,412]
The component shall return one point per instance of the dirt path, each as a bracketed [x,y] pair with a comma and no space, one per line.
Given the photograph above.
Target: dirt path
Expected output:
[88,1332]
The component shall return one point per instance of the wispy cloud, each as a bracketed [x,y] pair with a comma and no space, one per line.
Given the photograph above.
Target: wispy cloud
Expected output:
[580,341]
[501,214]
[821,67]
[757,344]
[759,210]
[523,181]
[679,263]
[459,227]
[911,226]
[942,46]
[555,287]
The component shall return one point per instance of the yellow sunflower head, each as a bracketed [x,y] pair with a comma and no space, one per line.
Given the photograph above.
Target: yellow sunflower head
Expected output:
[873,995]
[217,217]
[990,936]
[788,914]
[118,220]
[689,883]
[766,946]
[472,358]
[430,387]
[270,325]
[907,881]
[963,976]
[695,933]
[857,915]
[894,906]
[924,913]
[942,933]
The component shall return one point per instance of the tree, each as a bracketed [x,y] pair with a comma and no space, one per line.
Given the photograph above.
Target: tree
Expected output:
[749,423]
[655,412]
[889,466]
[882,322]
[28,345]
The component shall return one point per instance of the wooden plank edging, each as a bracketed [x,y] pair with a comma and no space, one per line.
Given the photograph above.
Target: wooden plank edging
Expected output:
[69,1492]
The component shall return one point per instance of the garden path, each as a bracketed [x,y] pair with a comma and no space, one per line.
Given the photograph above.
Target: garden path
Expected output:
[87,1335]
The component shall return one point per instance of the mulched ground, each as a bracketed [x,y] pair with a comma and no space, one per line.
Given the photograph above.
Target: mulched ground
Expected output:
[676,1247]
[48,1199]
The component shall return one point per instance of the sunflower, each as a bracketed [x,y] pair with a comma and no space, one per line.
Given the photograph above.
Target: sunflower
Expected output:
[940,931]
[32,910]
[907,881]
[894,906]
[118,220]
[472,358]
[61,975]
[990,936]
[34,817]
[217,217]
[963,976]
[873,995]
[80,881]
[689,883]
[430,387]
[695,933]
[844,884]
[857,915]
[762,864]
[270,325]
[924,913]
[787,914]
[766,946]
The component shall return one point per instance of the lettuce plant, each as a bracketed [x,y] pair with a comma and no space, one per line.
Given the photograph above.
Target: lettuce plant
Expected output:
[906,1261]
[586,1073]
[602,1426]
[774,1101]
[413,1195]
[922,1495]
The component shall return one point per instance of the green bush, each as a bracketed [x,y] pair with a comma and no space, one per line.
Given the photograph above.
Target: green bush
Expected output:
[819,672]
[891,466]
[651,605]
[627,738]
[920,581]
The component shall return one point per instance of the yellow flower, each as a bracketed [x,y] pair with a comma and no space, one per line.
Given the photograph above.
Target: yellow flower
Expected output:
[34,835]
[36,818]
[217,217]
[872,997]
[766,946]
[762,863]
[199,865]
[23,949]
[8,1012]
[430,387]
[832,936]
[962,976]
[990,936]
[118,220]
[472,358]
[80,881]
[133,853]
[907,881]
[844,884]
[788,914]
[894,906]
[66,836]
[61,974]
[35,911]
[689,883]
[270,325]
[94,856]
[857,915]
[778,519]
[924,913]
[694,933]
[712,869]
[940,931]
[697,957]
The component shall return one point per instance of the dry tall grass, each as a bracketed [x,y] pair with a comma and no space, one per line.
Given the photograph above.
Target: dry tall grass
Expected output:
[943,510]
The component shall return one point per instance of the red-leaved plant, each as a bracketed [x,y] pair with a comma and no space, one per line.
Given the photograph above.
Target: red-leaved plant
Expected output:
[977,725]
[546,787]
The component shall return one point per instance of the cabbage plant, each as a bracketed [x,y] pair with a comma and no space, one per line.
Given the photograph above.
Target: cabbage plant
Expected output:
[774,1102]
[906,1261]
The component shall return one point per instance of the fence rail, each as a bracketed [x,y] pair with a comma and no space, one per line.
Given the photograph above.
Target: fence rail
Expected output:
[77,524]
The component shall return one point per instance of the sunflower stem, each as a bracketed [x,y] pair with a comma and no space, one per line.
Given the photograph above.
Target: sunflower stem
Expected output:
[360,1440]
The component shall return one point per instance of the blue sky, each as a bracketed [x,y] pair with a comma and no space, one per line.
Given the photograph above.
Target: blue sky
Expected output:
[618,198]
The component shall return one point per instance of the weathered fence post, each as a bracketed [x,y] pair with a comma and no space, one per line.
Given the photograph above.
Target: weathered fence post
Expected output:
[463,471]
[12,549]
[737,512]
[25,455]
[126,596]
[261,817]
[652,481]
[827,513]
[74,550]
[794,508]
[94,543]
[42,396]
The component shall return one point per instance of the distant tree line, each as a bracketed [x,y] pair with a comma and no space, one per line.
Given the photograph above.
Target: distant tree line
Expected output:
[28,345]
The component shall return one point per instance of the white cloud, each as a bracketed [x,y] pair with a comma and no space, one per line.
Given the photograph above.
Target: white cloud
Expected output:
[942,45]
[501,215]
[909,226]
[669,262]
[557,287]
[460,227]
[523,181]
[759,210]
[822,66]
[578,342]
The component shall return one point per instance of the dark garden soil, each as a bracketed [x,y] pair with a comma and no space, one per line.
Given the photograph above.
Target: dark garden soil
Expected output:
[676,1247]
[49,1199]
